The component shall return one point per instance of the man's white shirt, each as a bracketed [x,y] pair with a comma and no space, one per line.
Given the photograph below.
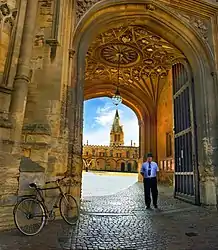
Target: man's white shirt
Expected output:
[154,169]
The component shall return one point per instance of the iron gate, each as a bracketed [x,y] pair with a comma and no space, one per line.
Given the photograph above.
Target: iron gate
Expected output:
[186,184]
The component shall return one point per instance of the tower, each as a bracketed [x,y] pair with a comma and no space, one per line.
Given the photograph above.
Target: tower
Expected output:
[116,134]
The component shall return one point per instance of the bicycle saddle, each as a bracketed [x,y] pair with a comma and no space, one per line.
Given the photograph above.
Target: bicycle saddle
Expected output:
[32,185]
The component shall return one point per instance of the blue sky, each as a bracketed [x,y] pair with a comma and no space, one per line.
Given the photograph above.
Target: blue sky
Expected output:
[98,118]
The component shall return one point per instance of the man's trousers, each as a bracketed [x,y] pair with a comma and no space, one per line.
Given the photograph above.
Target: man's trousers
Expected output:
[150,187]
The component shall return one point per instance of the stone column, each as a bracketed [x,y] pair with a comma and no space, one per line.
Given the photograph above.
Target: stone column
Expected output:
[142,139]
[153,136]
[19,96]
[141,148]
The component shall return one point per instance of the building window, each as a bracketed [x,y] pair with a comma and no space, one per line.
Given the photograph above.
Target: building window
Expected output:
[169,145]
[127,154]
[87,153]
[93,152]
[111,153]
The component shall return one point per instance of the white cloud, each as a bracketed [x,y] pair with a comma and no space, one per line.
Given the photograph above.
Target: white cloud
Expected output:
[100,136]
[103,121]
[131,131]
[105,118]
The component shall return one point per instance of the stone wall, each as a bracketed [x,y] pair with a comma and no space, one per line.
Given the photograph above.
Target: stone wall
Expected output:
[45,112]
[10,34]
[45,132]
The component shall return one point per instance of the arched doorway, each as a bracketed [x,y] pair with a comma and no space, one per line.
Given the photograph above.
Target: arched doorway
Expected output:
[182,40]
[100,164]
[129,167]
[122,166]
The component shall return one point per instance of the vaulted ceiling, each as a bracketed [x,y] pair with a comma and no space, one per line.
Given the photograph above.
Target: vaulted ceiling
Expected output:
[144,65]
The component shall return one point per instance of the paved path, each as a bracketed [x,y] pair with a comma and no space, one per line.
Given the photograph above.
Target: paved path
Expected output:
[120,221]
[106,183]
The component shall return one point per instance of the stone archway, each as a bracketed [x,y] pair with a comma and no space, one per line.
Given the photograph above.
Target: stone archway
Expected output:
[168,23]
[129,167]
[122,166]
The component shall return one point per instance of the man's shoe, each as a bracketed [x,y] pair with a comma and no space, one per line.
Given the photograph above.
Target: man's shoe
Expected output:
[148,207]
[155,206]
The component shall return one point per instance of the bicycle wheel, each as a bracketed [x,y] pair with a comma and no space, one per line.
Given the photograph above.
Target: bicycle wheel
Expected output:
[29,216]
[69,209]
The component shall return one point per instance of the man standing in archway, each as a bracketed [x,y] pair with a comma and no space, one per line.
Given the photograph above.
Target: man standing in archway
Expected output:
[149,172]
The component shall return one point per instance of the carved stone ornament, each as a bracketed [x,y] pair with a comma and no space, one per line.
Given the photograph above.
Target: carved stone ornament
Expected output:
[150,7]
[83,6]
[146,58]
[7,14]
[71,53]
[200,25]
[4,120]
[39,38]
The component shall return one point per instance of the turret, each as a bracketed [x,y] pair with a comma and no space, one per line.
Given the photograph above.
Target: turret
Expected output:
[116,134]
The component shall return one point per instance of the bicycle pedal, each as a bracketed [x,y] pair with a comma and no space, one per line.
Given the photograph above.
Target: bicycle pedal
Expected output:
[55,206]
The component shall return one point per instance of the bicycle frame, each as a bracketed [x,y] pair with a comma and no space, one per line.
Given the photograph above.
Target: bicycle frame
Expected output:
[42,198]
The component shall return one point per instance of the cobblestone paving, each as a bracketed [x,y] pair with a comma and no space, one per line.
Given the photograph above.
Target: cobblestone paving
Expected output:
[121,222]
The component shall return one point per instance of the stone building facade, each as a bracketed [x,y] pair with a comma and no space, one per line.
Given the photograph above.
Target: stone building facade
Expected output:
[116,157]
[54,54]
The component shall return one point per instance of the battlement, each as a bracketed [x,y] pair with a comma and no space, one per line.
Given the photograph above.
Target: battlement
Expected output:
[109,147]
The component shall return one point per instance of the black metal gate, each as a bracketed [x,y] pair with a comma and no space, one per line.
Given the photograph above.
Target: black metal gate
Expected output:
[186,184]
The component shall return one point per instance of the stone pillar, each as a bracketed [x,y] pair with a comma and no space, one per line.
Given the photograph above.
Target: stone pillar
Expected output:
[145,142]
[74,112]
[19,96]
[142,139]
[141,147]
[153,136]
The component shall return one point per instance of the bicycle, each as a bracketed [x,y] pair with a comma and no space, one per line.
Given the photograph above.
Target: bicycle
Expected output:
[34,208]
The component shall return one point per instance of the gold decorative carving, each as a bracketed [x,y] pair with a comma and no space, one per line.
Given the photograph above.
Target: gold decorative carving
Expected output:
[147,58]
[108,54]
[144,54]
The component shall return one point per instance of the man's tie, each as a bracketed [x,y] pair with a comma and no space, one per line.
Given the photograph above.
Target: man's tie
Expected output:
[149,169]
